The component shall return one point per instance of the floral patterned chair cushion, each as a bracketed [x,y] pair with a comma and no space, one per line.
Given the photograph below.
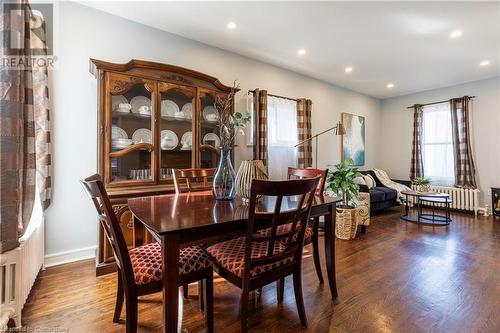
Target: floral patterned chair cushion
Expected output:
[231,253]
[146,261]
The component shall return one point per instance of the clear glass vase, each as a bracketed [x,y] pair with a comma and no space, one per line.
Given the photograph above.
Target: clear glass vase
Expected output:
[224,182]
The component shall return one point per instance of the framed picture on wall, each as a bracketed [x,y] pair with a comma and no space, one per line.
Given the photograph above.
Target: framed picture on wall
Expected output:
[353,141]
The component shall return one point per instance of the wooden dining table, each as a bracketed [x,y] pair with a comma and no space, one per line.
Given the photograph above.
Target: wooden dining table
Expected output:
[177,220]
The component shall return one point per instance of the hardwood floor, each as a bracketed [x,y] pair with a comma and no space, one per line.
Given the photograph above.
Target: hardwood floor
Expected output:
[399,277]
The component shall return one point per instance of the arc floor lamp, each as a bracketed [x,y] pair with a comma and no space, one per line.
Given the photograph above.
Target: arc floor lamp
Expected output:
[338,129]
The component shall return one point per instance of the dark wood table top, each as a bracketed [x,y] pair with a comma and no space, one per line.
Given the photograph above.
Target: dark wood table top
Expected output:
[172,213]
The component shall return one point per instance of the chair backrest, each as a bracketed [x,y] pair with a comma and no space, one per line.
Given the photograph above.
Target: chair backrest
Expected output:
[94,187]
[189,180]
[309,173]
[293,220]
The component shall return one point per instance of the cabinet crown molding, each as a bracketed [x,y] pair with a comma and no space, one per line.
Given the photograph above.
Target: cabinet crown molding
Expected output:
[177,72]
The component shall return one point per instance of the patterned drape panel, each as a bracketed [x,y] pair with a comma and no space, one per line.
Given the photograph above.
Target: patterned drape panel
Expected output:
[417,166]
[304,151]
[41,114]
[465,172]
[23,126]
[260,125]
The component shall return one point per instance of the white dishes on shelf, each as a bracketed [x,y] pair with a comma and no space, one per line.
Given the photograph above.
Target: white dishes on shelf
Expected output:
[141,105]
[179,115]
[169,108]
[187,109]
[211,139]
[118,133]
[187,141]
[120,143]
[116,100]
[210,113]
[119,138]
[123,108]
[142,135]
[169,140]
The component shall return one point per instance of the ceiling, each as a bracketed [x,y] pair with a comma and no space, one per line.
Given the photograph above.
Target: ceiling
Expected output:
[404,43]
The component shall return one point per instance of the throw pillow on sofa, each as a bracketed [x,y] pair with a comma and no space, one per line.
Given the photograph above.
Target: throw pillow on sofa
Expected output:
[370,182]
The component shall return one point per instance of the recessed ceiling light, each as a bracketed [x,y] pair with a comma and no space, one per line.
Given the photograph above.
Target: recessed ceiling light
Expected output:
[348,69]
[301,51]
[484,63]
[231,25]
[456,34]
[390,85]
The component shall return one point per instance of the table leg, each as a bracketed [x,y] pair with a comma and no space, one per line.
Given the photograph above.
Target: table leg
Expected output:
[330,221]
[138,232]
[170,278]
[407,206]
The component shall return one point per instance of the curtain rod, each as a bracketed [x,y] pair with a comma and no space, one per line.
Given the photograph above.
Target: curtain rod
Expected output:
[284,97]
[412,106]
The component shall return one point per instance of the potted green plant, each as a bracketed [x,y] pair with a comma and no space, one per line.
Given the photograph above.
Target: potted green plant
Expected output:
[423,184]
[341,183]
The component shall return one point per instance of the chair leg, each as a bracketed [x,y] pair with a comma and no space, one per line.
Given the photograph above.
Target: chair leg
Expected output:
[119,299]
[201,294]
[317,262]
[244,311]
[131,308]
[208,300]
[185,288]
[280,289]
[297,287]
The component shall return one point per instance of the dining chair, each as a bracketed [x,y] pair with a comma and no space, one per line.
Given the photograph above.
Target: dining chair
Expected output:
[190,180]
[140,269]
[255,259]
[311,236]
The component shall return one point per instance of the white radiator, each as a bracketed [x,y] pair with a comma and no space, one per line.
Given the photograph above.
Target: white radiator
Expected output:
[462,198]
[18,271]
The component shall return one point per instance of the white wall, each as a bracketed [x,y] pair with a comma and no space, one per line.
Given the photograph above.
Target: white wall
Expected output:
[396,130]
[85,33]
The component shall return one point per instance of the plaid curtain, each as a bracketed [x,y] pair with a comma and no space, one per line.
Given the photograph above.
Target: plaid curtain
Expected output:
[260,125]
[24,126]
[465,172]
[304,151]
[417,166]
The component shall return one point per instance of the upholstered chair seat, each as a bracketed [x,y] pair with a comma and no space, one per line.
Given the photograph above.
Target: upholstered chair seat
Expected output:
[146,262]
[230,254]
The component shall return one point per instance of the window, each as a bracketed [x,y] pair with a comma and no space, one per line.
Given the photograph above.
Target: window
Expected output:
[282,136]
[437,144]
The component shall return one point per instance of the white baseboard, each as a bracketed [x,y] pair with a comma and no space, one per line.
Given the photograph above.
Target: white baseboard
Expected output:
[70,256]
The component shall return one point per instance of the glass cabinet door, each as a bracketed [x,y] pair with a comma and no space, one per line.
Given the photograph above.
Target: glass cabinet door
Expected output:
[209,131]
[177,110]
[130,146]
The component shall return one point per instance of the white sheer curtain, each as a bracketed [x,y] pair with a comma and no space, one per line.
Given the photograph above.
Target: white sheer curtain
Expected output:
[282,136]
[437,144]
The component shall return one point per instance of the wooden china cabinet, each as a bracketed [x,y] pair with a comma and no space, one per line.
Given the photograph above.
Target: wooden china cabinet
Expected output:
[152,117]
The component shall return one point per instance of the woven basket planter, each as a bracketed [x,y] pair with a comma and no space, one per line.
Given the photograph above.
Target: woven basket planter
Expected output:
[347,223]
[250,169]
